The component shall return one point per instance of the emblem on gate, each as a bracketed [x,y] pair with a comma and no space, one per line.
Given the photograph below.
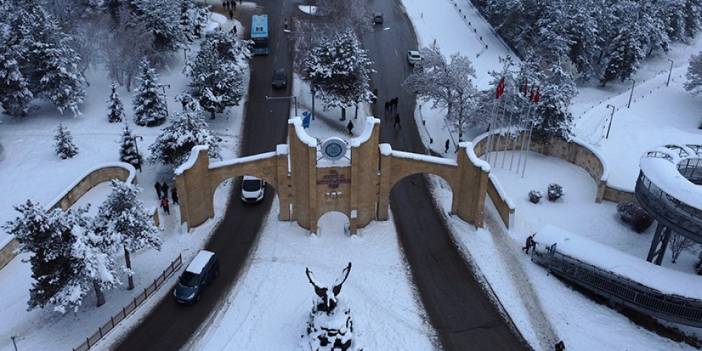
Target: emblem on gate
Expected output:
[334,148]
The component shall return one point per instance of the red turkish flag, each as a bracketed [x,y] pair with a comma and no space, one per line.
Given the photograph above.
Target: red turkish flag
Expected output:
[500,88]
[537,96]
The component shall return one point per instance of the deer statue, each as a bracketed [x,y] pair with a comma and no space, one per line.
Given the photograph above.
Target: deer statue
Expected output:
[328,296]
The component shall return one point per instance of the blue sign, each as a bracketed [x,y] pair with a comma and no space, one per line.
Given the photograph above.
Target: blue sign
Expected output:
[306,119]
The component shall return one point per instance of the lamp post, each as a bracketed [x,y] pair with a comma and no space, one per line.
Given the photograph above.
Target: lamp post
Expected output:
[14,343]
[136,147]
[163,88]
[610,120]
[670,72]
[631,95]
[293,97]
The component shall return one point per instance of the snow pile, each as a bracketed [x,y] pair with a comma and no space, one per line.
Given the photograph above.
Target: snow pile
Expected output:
[603,256]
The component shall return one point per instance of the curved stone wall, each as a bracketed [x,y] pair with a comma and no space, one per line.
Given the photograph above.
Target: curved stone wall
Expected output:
[118,170]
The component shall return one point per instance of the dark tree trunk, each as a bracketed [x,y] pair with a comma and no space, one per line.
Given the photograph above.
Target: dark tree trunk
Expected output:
[212,112]
[356,113]
[98,293]
[128,261]
[343,113]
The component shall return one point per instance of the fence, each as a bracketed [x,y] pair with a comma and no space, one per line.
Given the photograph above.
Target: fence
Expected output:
[621,290]
[131,307]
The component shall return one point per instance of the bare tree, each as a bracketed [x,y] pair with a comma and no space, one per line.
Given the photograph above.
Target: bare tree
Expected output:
[678,244]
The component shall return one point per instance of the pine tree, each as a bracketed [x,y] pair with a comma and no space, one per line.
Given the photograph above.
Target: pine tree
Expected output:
[694,76]
[187,129]
[123,217]
[49,237]
[15,95]
[149,102]
[339,70]
[64,143]
[114,106]
[623,58]
[217,72]
[128,149]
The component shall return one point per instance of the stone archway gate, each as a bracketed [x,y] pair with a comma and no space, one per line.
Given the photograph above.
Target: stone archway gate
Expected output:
[309,186]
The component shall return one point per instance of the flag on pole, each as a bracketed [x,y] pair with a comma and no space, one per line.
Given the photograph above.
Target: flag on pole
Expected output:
[537,96]
[500,88]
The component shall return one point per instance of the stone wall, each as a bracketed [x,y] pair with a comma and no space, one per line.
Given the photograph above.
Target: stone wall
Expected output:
[502,203]
[122,171]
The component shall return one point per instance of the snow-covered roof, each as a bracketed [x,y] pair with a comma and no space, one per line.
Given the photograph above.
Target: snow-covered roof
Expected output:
[661,167]
[301,133]
[199,262]
[665,280]
[244,159]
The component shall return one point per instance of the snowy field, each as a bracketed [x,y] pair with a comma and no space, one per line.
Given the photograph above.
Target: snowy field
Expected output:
[539,302]
[270,304]
[29,164]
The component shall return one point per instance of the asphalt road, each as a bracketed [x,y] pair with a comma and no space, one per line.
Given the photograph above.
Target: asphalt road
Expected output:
[169,326]
[459,309]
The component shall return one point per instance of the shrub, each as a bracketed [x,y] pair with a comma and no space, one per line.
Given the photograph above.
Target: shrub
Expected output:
[555,192]
[632,214]
[535,196]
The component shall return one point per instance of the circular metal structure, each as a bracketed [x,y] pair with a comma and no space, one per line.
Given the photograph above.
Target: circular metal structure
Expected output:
[334,148]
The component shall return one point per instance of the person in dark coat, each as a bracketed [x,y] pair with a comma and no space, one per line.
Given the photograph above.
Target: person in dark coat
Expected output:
[174,195]
[164,205]
[375,95]
[560,346]
[158,189]
[446,146]
[397,121]
[530,244]
[395,102]
[164,190]
[387,105]
[350,127]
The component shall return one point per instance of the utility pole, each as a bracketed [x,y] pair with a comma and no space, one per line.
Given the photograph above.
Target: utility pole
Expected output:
[163,88]
[670,72]
[631,95]
[611,117]
[14,343]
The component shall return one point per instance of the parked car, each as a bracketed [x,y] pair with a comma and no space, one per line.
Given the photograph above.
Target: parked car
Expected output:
[252,189]
[280,79]
[413,57]
[199,273]
[378,18]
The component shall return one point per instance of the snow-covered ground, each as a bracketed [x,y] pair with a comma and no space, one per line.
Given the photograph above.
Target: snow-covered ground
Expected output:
[32,170]
[270,304]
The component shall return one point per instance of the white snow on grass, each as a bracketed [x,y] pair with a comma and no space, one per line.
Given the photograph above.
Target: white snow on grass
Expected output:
[270,313]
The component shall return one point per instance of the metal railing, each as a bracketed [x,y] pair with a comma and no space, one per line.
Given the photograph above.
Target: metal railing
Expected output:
[621,290]
[682,218]
[105,328]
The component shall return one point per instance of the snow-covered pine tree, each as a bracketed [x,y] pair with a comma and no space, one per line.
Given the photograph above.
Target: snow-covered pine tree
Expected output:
[623,56]
[95,247]
[217,72]
[123,217]
[187,129]
[339,70]
[49,237]
[162,18]
[187,20]
[64,143]
[694,76]
[693,17]
[149,102]
[114,106]
[128,149]
[15,95]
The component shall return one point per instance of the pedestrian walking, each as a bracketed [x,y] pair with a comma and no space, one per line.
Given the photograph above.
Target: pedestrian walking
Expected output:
[164,189]
[397,122]
[174,195]
[530,243]
[446,146]
[350,127]
[375,95]
[560,346]
[395,102]
[231,14]
[158,189]
[164,205]
[234,29]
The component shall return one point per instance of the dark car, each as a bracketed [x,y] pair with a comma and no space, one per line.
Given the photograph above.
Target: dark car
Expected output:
[280,79]
[378,18]
[199,273]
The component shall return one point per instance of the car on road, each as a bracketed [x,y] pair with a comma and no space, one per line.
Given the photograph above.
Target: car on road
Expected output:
[199,273]
[413,57]
[378,18]
[252,189]
[280,79]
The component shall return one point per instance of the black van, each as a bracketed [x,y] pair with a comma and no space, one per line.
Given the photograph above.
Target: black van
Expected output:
[200,272]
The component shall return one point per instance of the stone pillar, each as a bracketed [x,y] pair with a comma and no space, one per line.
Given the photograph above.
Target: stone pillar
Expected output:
[384,186]
[365,158]
[471,188]
[195,192]
[284,187]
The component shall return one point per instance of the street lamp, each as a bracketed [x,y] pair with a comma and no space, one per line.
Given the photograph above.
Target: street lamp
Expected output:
[14,343]
[631,95]
[294,98]
[136,147]
[610,119]
[670,72]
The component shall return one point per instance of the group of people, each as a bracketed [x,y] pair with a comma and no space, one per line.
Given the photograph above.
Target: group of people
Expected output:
[162,193]
[230,5]
[391,107]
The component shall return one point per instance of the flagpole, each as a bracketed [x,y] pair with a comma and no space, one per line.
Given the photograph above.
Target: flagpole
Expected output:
[537,97]
[514,137]
[497,137]
[524,130]
[499,90]
[504,147]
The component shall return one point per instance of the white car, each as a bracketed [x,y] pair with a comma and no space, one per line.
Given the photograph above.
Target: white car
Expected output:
[413,57]
[252,189]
